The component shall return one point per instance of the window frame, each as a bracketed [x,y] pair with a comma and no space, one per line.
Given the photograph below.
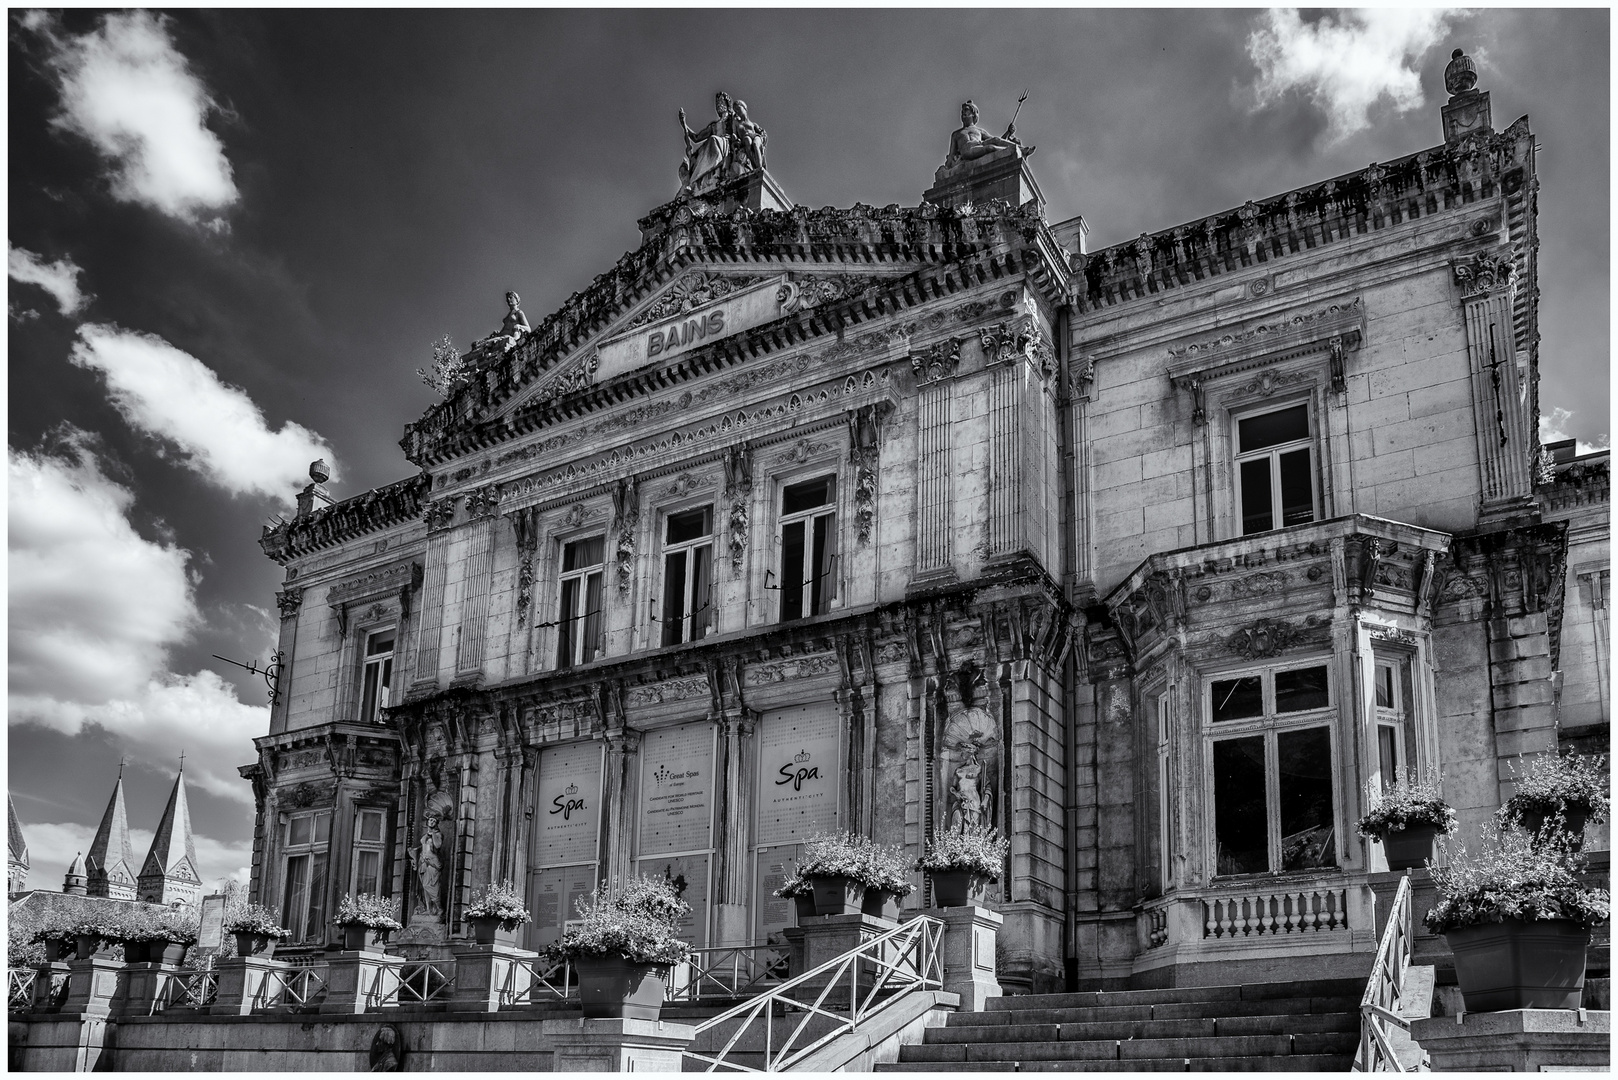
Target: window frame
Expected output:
[689,549]
[564,620]
[369,711]
[829,510]
[1270,725]
[1165,788]
[1310,442]
[316,851]
[359,845]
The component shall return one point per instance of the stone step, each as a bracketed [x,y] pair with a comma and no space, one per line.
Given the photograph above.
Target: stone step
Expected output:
[1124,1050]
[1283,1063]
[1175,1010]
[1141,1028]
[1344,988]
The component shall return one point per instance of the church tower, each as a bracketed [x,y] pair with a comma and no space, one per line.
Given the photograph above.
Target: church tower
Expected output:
[17,858]
[170,871]
[110,866]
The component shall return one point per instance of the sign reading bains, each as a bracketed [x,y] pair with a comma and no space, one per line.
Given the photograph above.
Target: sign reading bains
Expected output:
[660,341]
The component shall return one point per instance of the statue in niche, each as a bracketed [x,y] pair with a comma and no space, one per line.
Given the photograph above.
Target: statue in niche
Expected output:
[967,795]
[429,865]
[968,759]
[971,142]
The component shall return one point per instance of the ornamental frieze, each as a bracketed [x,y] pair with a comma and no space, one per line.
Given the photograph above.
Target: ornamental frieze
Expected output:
[1226,344]
[790,670]
[1268,638]
[668,690]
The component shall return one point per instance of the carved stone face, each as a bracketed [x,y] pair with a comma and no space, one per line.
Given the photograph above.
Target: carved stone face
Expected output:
[512,300]
[969,114]
[721,103]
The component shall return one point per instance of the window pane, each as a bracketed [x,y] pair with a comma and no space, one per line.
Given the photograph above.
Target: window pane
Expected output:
[1273,429]
[590,646]
[691,525]
[322,828]
[674,598]
[792,571]
[796,498]
[1384,686]
[1256,505]
[582,553]
[379,643]
[701,586]
[315,929]
[1297,489]
[368,696]
[1387,744]
[299,829]
[1308,834]
[1303,689]
[1241,830]
[296,894]
[824,584]
[370,825]
[1234,699]
[568,628]
[367,871]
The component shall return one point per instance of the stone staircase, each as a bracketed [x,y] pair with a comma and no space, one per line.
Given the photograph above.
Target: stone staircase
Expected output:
[1309,1026]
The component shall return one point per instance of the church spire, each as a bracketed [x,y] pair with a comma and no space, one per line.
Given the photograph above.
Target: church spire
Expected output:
[170,870]
[17,861]
[110,866]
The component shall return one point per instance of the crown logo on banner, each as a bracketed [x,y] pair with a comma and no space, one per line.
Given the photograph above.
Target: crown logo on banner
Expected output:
[803,756]
[572,790]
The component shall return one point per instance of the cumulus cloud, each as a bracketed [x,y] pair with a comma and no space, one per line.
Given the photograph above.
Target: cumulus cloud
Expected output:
[59,278]
[94,610]
[52,845]
[1553,428]
[219,431]
[1347,62]
[127,90]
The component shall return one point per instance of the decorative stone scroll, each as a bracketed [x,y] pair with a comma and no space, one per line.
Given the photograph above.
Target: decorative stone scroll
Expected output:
[1485,273]
[938,362]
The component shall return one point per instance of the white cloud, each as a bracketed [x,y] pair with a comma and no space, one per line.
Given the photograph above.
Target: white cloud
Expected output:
[1553,428]
[1347,62]
[52,845]
[60,278]
[129,91]
[94,610]
[218,429]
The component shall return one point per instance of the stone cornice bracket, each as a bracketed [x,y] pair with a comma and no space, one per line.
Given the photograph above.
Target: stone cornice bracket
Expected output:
[289,600]
[1199,396]
[1081,375]
[483,502]
[1485,273]
[1371,555]
[1427,587]
[1339,364]
[437,515]
[626,516]
[937,363]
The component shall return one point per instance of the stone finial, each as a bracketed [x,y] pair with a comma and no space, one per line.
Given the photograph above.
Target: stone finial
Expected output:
[1460,75]
[319,471]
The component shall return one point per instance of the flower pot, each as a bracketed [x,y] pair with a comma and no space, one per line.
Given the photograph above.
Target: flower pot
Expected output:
[251,944]
[837,895]
[1520,965]
[614,987]
[138,952]
[806,905]
[88,945]
[882,903]
[58,949]
[956,888]
[1409,848]
[1574,814]
[488,930]
[357,937]
[165,952]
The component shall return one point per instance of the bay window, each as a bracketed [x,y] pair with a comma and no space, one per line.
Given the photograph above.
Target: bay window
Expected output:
[687,576]
[1275,469]
[808,547]
[579,623]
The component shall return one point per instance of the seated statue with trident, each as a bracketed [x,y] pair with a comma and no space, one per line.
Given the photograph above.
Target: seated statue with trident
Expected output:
[970,142]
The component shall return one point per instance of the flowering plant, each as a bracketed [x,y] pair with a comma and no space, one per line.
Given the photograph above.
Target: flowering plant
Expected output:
[982,851]
[794,886]
[499,900]
[104,928]
[637,919]
[857,858]
[54,928]
[254,919]
[1413,801]
[369,909]
[1552,783]
[175,926]
[889,870]
[1509,877]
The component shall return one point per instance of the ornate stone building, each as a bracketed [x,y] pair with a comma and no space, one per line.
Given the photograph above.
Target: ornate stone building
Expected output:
[1159,558]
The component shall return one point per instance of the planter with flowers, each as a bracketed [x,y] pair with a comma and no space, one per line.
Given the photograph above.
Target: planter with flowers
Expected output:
[1408,821]
[256,928]
[159,937]
[367,920]
[838,867]
[887,881]
[1518,920]
[961,863]
[623,947]
[497,914]
[97,937]
[1559,794]
[801,892]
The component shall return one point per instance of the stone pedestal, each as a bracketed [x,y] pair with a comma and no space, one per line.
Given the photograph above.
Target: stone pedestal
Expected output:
[999,175]
[970,935]
[826,937]
[1518,1040]
[50,975]
[139,987]
[359,980]
[617,1045]
[241,983]
[91,986]
[485,973]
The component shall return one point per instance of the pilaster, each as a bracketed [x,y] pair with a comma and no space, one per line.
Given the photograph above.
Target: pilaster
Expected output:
[1504,435]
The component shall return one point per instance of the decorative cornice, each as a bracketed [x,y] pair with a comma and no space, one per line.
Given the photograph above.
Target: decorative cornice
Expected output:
[385,506]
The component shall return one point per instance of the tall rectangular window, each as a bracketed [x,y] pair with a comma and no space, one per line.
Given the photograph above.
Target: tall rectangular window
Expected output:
[687,576]
[1275,469]
[304,842]
[376,678]
[368,847]
[808,547]
[1395,721]
[1274,801]
[1165,789]
[579,623]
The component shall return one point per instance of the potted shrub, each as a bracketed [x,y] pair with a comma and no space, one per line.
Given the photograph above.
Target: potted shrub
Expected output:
[52,941]
[95,937]
[170,933]
[1407,821]
[801,891]
[256,929]
[1559,792]
[367,920]
[623,947]
[887,882]
[497,914]
[961,863]
[838,867]
[1518,920]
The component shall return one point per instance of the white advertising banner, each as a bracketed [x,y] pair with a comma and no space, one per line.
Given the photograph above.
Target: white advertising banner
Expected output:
[659,341]
[677,789]
[689,876]
[799,774]
[567,814]
[774,913]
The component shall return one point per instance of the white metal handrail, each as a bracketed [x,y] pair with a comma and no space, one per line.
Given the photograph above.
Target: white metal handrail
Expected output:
[20,988]
[546,978]
[1379,1008]
[186,989]
[424,981]
[289,988]
[730,971]
[894,964]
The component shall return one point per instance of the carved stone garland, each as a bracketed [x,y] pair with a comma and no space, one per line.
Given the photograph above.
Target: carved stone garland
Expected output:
[626,508]
[738,492]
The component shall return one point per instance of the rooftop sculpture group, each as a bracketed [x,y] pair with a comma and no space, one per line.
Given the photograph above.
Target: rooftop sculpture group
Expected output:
[731,146]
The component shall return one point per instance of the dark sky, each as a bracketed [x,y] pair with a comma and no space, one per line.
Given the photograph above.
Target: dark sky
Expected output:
[394,173]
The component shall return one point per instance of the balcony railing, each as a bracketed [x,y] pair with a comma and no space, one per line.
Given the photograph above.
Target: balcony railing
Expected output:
[1275,911]
[20,988]
[421,982]
[290,988]
[186,990]
[728,972]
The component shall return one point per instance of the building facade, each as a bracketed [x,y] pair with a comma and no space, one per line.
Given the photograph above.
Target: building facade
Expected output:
[1162,559]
